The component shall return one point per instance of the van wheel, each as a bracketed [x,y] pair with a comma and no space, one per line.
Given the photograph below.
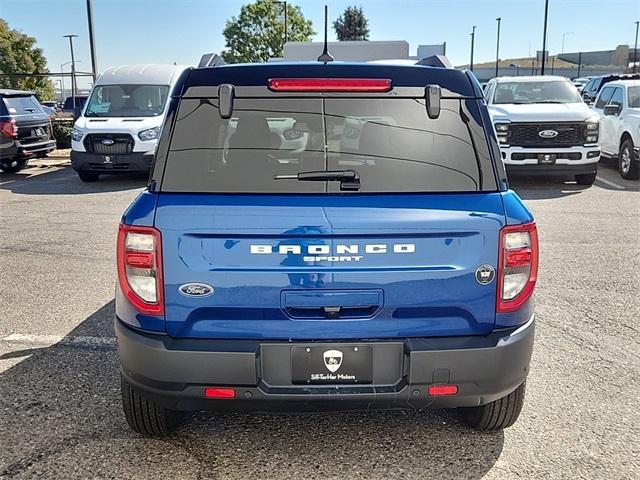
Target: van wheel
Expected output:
[627,163]
[586,178]
[88,176]
[13,166]
[499,414]
[144,416]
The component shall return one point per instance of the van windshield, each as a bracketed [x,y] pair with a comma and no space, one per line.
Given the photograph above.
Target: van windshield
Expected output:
[391,143]
[127,101]
[536,92]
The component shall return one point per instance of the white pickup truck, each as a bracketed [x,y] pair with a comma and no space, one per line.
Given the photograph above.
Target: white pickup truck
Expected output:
[618,105]
[544,127]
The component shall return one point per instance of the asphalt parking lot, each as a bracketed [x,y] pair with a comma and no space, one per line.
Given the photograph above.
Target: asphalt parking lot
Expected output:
[60,414]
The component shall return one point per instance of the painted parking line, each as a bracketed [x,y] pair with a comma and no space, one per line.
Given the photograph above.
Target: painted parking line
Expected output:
[610,183]
[48,340]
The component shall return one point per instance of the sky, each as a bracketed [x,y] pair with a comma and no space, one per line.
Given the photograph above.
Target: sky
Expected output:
[168,31]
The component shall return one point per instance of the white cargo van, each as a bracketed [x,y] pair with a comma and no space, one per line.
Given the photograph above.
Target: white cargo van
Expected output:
[120,123]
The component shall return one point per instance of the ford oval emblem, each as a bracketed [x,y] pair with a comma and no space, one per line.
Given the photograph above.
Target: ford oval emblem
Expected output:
[107,141]
[196,289]
[547,134]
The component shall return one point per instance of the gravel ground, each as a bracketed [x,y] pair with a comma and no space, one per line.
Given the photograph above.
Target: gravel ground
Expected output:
[60,415]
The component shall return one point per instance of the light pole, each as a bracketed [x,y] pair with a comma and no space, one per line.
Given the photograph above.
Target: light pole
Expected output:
[498,45]
[473,37]
[544,35]
[92,46]
[635,48]
[62,65]
[73,71]
[563,37]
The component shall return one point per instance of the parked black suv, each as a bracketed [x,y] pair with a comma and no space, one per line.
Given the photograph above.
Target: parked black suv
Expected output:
[593,86]
[25,130]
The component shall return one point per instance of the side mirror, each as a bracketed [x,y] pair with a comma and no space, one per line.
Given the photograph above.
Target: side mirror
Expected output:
[612,109]
[433,93]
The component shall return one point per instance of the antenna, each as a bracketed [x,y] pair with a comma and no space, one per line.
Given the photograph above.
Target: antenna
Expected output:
[326,56]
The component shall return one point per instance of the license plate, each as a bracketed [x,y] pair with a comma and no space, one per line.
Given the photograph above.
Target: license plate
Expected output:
[332,364]
[547,158]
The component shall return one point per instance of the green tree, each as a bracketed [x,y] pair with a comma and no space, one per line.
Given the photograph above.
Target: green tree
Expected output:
[352,25]
[18,54]
[257,34]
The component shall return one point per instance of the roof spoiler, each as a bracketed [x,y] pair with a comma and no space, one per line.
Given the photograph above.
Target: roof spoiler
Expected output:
[210,60]
[435,61]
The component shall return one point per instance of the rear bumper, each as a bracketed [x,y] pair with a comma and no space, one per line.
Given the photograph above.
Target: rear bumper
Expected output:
[175,372]
[132,163]
[17,150]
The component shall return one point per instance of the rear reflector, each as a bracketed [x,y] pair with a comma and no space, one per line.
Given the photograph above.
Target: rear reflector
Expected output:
[440,390]
[211,392]
[330,84]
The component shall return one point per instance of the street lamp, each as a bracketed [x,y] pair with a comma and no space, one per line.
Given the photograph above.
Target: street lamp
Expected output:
[544,35]
[473,37]
[73,71]
[563,37]
[498,45]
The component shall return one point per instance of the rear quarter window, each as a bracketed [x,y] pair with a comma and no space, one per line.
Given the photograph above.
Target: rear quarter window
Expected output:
[391,142]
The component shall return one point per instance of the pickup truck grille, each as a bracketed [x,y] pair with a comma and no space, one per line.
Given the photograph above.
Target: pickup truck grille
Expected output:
[527,134]
[109,143]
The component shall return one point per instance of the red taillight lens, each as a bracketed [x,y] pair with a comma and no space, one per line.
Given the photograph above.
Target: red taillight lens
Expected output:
[8,128]
[139,256]
[228,393]
[440,390]
[330,84]
[518,266]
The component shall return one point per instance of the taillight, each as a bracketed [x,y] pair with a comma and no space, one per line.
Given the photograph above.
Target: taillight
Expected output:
[8,128]
[330,84]
[139,256]
[518,266]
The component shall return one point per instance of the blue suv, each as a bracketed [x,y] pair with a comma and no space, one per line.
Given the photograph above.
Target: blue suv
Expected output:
[325,235]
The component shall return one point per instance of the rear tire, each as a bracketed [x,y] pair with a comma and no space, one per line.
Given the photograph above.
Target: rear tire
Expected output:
[88,176]
[586,178]
[145,416]
[499,414]
[13,166]
[627,163]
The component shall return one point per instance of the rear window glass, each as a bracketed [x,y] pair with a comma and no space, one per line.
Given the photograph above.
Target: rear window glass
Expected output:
[391,143]
[22,105]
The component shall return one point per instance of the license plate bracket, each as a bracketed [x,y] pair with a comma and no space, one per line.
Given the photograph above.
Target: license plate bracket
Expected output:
[547,158]
[349,364]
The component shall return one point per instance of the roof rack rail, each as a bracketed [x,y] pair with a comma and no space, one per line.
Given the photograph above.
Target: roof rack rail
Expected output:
[210,60]
[435,61]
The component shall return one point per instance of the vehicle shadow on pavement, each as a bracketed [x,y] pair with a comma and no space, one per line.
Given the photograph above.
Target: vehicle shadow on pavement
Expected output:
[65,181]
[535,188]
[60,416]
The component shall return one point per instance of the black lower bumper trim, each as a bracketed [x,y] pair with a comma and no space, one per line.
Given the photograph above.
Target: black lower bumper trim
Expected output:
[551,170]
[175,372]
[131,163]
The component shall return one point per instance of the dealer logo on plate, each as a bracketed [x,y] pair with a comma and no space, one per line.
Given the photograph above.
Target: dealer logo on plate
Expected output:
[332,360]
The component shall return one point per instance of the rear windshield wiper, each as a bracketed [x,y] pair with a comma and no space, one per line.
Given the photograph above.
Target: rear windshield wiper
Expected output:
[349,179]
